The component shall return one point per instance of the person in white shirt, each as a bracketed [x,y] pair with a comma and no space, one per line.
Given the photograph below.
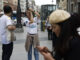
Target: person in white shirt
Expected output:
[32,34]
[6,25]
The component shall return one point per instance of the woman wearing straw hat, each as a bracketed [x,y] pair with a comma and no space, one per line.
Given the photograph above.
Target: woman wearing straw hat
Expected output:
[68,40]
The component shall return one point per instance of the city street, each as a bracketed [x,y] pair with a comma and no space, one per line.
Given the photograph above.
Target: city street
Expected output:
[58,20]
[19,52]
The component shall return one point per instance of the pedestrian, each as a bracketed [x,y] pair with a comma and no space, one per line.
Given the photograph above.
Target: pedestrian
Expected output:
[51,34]
[68,40]
[6,25]
[49,29]
[32,34]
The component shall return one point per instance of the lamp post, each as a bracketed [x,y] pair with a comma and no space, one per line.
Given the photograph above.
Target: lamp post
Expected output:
[18,25]
[26,4]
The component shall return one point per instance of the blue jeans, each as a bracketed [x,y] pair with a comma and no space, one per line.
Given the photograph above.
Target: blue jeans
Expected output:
[36,54]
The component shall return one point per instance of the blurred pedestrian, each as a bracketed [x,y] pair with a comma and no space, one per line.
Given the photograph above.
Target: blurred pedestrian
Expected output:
[32,34]
[6,26]
[49,29]
[68,41]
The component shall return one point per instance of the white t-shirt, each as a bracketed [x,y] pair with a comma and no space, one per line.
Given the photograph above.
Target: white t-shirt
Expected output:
[4,22]
[32,28]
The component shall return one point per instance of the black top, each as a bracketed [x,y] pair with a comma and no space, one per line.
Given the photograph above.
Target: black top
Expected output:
[73,53]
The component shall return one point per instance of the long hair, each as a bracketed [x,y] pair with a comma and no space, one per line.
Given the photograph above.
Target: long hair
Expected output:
[68,32]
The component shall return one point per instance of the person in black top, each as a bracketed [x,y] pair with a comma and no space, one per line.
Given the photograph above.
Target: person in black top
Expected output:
[67,45]
[49,29]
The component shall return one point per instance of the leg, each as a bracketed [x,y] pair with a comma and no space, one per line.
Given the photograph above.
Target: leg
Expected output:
[36,54]
[7,51]
[30,53]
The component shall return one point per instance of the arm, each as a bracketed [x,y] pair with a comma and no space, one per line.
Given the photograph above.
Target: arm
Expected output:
[31,18]
[45,52]
[36,13]
[11,27]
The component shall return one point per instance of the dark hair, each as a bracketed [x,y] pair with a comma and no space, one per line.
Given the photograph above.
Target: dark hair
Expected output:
[68,32]
[7,9]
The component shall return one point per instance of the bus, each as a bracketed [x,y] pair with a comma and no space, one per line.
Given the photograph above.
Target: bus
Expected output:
[46,10]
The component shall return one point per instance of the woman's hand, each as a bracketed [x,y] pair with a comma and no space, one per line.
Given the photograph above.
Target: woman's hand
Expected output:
[45,52]
[47,56]
[45,49]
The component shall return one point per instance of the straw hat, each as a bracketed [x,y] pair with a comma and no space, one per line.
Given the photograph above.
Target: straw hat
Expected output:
[58,16]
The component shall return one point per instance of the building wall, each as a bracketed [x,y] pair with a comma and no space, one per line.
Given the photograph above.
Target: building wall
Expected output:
[15,2]
[62,4]
[23,5]
[1,5]
[73,6]
[32,4]
[11,3]
[69,5]
[14,7]
[78,0]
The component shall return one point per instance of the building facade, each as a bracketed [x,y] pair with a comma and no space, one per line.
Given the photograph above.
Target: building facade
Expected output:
[15,2]
[12,3]
[62,4]
[72,6]
[23,5]
[1,5]
[32,4]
